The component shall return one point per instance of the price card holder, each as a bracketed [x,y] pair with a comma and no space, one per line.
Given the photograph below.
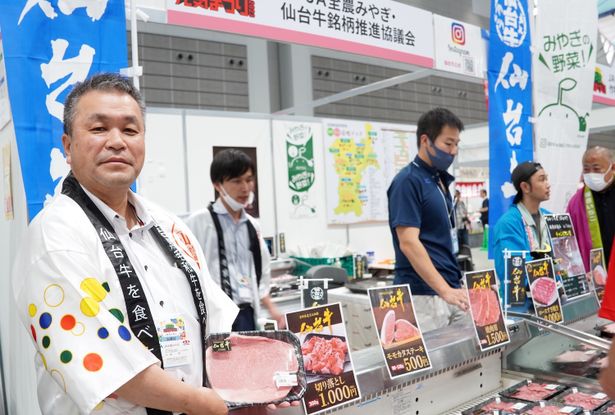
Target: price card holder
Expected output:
[314,292]
[401,338]
[330,382]
[598,272]
[543,287]
[568,260]
[516,275]
[489,326]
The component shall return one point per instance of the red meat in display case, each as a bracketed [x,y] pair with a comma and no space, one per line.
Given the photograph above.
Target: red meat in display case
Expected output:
[533,391]
[586,400]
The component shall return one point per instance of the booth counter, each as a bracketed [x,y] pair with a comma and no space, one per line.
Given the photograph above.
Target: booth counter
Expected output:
[462,376]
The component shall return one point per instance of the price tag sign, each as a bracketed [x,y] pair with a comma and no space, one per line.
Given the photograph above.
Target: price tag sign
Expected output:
[544,290]
[517,279]
[401,339]
[568,261]
[598,271]
[331,379]
[489,326]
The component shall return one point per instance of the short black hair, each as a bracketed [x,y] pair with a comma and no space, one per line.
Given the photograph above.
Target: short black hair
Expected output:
[432,122]
[229,164]
[107,81]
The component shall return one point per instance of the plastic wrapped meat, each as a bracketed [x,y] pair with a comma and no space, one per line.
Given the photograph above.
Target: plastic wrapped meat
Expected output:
[534,392]
[497,404]
[546,410]
[585,400]
[229,375]
[324,356]
[574,357]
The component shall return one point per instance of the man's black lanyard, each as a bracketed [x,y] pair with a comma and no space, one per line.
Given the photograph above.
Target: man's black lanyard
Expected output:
[139,314]
[225,277]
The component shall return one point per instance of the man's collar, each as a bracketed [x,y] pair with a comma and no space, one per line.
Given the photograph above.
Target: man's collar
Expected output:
[145,219]
[445,176]
[220,209]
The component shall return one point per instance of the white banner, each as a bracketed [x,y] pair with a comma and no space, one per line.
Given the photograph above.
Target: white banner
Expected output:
[381,28]
[296,143]
[459,47]
[564,62]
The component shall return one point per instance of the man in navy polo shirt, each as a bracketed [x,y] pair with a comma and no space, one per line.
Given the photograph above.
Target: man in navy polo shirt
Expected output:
[422,222]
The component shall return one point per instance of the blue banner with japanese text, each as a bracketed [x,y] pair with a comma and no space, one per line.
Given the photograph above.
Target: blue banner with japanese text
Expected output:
[49,46]
[510,101]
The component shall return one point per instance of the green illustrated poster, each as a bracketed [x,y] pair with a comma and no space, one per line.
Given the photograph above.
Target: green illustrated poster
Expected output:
[301,171]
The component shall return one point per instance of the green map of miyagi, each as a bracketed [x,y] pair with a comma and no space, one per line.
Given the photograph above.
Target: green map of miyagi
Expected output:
[352,158]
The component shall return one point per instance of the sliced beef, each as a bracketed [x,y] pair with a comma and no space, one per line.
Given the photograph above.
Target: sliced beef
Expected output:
[546,410]
[584,400]
[533,392]
[229,375]
[543,291]
[485,306]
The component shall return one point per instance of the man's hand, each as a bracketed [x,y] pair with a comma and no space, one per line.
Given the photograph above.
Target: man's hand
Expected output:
[272,407]
[281,319]
[207,402]
[456,296]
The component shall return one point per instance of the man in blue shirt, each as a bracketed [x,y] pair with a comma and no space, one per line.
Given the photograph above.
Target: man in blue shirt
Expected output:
[523,226]
[422,222]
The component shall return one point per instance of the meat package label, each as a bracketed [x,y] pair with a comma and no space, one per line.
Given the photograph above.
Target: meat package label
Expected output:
[598,271]
[330,375]
[515,269]
[401,338]
[567,256]
[544,291]
[489,325]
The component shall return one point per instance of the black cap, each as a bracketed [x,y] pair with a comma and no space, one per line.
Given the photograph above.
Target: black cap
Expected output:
[523,173]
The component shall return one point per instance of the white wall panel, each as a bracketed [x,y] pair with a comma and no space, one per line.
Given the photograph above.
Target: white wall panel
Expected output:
[163,178]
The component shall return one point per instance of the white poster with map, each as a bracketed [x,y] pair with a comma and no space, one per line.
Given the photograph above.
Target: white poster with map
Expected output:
[361,159]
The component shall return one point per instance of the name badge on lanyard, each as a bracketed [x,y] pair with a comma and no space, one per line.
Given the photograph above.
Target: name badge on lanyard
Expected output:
[454,239]
[244,291]
[174,342]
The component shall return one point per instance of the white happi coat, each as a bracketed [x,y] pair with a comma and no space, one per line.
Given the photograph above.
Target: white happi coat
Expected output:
[71,302]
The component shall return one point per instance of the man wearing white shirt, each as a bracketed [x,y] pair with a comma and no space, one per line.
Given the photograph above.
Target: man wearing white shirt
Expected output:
[103,274]
[236,254]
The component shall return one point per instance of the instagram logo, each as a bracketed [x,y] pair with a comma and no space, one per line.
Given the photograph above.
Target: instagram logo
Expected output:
[458,33]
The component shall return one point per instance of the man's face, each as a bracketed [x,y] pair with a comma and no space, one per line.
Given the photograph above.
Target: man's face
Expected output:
[539,187]
[238,188]
[597,162]
[447,141]
[483,194]
[106,147]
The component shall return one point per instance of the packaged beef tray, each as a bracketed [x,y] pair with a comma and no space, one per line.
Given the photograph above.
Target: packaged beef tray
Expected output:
[505,406]
[552,408]
[253,368]
[588,400]
[609,408]
[533,391]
